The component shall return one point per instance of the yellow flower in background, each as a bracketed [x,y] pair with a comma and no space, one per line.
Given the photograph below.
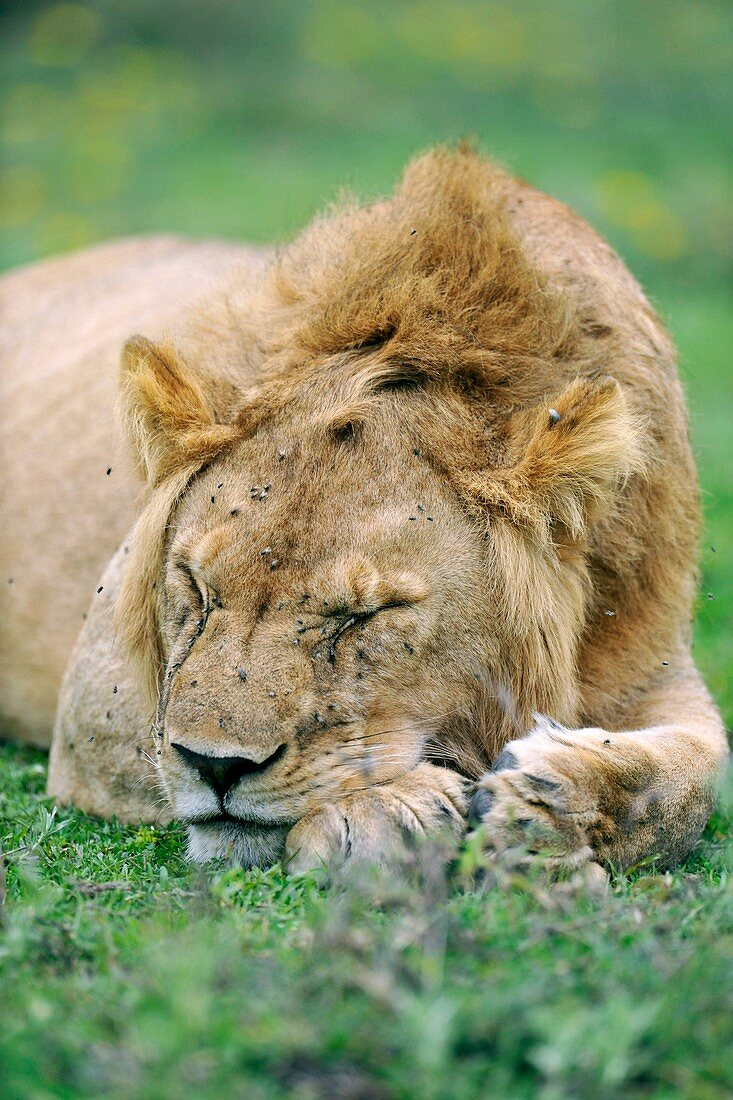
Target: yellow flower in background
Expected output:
[32,112]
[620,191]
[63,231]
[22,193]
[63,34]
[659,232]
[565,92]
[98,171]
[340,34]
[473,40]
[630,199]
[123,79]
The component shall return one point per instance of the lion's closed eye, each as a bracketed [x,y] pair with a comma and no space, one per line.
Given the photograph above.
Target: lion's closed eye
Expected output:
[195,590]
[190,602]
[350,620]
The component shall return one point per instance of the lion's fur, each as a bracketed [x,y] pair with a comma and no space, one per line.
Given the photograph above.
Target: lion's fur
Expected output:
[468,342]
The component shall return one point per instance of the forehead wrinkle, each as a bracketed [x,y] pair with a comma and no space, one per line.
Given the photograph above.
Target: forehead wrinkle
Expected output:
[359,402]
[351,394]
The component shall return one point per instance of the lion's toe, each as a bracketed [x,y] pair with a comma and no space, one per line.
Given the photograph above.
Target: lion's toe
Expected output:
[528,810]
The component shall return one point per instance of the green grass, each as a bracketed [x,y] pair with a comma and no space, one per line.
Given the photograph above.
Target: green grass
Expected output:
[124,972]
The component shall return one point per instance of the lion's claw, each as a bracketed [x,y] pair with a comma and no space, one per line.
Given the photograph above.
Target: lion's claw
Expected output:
[374,825]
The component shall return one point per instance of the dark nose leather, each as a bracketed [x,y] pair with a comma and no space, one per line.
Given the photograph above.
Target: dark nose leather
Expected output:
[223,772]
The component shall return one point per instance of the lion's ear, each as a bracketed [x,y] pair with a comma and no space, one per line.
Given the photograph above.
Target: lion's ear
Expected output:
[168,415]
[566,461]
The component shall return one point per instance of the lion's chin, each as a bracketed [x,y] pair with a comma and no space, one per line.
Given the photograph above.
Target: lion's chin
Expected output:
[249,844]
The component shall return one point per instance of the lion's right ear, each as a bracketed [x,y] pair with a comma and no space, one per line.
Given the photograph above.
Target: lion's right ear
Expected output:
[169,418]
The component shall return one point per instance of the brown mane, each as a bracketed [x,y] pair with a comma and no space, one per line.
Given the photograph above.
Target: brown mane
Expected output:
[430,285]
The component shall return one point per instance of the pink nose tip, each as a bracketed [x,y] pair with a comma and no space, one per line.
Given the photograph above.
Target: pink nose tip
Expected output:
[224,772]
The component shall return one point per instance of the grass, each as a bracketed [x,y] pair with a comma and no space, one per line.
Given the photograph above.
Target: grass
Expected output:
[125,972]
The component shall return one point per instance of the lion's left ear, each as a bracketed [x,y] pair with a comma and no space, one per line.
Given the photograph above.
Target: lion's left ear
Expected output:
[170,417]
[565,461]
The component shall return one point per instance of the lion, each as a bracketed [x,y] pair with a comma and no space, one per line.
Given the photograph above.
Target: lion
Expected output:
[416,549]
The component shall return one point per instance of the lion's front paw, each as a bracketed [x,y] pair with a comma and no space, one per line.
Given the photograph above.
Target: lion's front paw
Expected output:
[540,800]
[373,825]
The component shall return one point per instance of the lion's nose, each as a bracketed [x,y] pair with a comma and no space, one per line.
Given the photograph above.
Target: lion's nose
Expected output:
[223,772]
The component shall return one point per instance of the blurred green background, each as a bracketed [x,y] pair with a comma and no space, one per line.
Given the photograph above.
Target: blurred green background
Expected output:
[240,119]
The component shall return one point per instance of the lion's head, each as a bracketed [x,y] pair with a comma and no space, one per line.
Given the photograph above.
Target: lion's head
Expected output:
[372,555]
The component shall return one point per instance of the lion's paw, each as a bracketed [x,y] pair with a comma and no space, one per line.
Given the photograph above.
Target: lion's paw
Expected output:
[538,802]
[374,825]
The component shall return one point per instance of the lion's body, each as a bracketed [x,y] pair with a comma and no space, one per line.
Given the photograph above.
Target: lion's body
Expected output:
[405,351]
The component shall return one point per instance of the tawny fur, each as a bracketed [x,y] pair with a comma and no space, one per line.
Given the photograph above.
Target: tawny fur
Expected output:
[468,348]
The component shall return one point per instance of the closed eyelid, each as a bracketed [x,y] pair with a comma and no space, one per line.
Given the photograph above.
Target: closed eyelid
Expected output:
[195,583]
[355,618]
[387,604]
[355,610]
[338,632]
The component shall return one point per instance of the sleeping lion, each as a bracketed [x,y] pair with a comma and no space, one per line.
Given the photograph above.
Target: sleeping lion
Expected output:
[415,549]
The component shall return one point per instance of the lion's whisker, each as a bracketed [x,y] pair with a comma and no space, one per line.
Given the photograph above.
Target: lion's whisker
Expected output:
[147,725]
[143,779]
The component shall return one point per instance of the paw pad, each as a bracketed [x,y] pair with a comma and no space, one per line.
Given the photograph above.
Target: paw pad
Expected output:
[504,761]
[481,803]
